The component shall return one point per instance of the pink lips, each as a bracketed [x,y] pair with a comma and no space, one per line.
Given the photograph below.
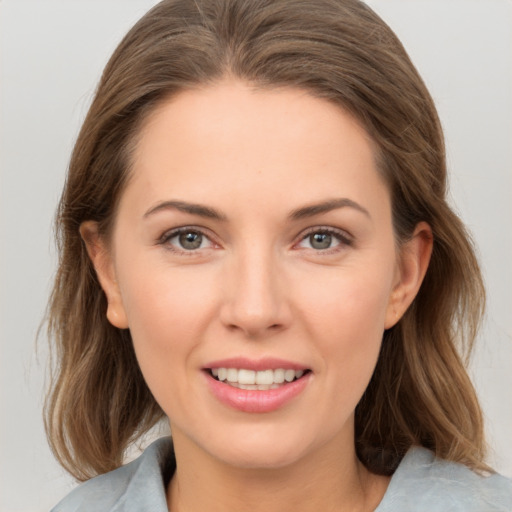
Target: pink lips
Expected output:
[256,401]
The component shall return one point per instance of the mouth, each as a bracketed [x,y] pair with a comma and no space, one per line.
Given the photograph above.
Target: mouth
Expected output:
[258,380]
[257,385]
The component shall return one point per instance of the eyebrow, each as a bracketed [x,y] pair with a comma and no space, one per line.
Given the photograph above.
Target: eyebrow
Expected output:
[192,208]
[327,206]
[299,213]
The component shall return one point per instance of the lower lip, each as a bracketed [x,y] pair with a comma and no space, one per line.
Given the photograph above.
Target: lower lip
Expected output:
[257,401]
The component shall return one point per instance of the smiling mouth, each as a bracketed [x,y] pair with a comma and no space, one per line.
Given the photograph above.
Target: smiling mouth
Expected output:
[262,380]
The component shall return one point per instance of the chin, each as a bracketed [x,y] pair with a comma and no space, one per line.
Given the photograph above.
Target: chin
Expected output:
[259,457]
[262,448]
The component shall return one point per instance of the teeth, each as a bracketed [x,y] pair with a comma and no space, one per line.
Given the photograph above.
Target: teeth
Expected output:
[279,376]
[250,379]
[247,386]
[265,377]
[259,387]
[232,375]
[289,375]
[246,377]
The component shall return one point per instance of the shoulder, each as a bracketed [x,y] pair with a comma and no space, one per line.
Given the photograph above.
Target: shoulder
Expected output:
[423,483]
[139,485]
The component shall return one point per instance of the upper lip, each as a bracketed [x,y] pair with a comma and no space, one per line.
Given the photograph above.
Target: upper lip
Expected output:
[265,363]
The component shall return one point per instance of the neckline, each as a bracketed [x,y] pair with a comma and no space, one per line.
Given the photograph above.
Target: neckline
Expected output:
[168,467]
[406,465]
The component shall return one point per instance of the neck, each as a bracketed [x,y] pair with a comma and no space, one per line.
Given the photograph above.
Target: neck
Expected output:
[328,480]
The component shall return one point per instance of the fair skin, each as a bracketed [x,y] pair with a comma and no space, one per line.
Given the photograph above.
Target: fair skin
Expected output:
[256,274]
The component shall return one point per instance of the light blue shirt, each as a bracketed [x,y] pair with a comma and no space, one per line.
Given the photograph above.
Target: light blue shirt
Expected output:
[421,483]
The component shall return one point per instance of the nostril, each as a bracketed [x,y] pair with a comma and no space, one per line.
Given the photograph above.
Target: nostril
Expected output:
[272,327]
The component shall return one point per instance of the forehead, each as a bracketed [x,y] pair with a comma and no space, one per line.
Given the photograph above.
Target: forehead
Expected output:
[231,140]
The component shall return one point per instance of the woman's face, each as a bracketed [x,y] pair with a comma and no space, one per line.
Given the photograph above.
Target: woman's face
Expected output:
[253,244]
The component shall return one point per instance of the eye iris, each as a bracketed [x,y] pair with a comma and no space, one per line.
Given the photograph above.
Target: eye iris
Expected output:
[190,240]
[320,240]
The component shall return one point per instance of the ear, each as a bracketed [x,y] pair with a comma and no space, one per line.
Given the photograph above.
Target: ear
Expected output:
[102,261]
[413,262]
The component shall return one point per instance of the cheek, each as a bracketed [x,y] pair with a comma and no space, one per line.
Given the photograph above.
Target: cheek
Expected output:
[165,312]
[348,302]
[165,301]
[346,316]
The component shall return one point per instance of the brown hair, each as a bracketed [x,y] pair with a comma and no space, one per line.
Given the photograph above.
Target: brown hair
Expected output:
[339,50]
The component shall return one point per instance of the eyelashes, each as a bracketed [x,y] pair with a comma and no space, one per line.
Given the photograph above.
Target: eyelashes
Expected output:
[323,239]
[187,240]
[192,240]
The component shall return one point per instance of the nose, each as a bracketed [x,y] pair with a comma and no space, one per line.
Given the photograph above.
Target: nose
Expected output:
[255,295]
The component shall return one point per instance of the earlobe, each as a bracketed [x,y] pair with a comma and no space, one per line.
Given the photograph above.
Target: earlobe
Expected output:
[414,260]
[101,258]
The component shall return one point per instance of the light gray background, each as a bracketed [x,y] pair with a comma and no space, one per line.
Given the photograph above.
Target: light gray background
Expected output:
[52,54]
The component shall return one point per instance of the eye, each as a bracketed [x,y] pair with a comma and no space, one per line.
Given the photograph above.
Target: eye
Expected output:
[322,239]
[186,240]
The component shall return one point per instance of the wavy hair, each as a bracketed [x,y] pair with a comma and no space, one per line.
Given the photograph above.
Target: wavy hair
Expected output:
[339,50]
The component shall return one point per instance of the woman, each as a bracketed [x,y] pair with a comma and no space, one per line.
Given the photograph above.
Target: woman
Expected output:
[255,243]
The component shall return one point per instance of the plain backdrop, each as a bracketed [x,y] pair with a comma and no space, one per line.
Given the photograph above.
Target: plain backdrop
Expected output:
[52,54]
